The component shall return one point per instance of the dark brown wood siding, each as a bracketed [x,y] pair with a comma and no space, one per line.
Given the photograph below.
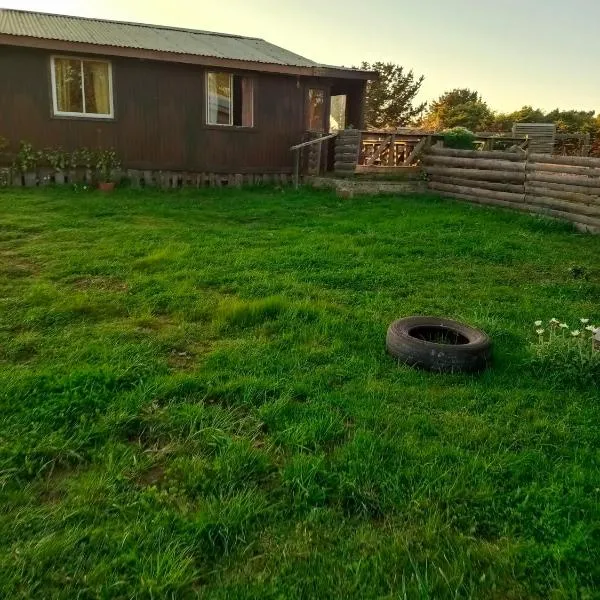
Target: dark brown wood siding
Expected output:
[159,116]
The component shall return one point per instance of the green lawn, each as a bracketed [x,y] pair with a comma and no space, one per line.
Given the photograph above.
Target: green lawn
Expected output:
[196,400]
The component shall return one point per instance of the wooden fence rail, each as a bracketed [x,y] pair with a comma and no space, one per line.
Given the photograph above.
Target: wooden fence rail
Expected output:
[559,187]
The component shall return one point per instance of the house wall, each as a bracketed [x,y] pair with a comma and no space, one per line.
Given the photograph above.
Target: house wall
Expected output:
[159,116]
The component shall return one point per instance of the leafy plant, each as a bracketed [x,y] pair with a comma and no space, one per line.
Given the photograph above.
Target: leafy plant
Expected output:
[106,163]
[87,158]
[565,355]
[460,138]
[27,158]
[57,158]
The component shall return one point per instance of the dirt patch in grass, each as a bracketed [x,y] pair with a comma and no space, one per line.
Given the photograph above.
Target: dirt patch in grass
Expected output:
[152,476]
[186,359]
[106,284]
[54,486]
[153,324]
[13,266]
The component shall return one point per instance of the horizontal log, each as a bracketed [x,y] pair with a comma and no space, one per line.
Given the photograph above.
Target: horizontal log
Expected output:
[488,201]
[481,174]
[571,207]
[541,190]
[401,170]
[578,180]
[474,163]
[588,222]
[534,167]
[588,191]
[559,214]
[476,191]
[512,156]
[580,161]
[486,185]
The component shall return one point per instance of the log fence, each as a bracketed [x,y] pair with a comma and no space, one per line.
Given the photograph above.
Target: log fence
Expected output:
[560,187]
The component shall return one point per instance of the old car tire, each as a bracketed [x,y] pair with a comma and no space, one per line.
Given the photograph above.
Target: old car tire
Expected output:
[464,348]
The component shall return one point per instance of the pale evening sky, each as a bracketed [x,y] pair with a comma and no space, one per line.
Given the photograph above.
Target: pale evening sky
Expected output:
[514,52]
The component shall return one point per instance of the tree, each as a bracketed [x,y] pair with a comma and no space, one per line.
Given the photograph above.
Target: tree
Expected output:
[390,98]
[573,121]
[460,107]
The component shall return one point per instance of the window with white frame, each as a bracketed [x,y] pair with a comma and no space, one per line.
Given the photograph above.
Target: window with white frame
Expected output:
[82,87]
[229,100]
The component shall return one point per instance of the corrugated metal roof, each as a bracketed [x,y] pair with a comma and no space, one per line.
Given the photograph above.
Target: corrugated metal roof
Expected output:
[146,37]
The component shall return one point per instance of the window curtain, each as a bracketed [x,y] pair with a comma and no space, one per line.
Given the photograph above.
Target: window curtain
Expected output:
[96,86]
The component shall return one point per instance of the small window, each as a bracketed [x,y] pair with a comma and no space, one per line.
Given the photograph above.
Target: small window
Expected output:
[316,110]
[230,100]
[82,87]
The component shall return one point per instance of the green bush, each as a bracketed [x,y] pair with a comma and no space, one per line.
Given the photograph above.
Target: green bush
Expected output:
[459,138]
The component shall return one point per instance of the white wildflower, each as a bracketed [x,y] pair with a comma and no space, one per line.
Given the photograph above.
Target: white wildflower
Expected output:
[538,323]
[575,333]
[564,326]
[540,331]
[584,321]
[554,321]
[590,328]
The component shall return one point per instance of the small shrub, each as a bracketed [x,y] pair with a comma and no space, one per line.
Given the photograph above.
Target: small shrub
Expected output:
[106,164]
[27,158]
[566,356]
[459,138]
[56,158]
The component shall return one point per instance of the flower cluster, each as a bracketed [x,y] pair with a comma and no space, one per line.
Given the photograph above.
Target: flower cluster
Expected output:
[556,324]
[566,355]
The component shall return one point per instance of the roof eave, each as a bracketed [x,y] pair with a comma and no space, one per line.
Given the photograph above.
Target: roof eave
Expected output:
[173,57]
[344,73]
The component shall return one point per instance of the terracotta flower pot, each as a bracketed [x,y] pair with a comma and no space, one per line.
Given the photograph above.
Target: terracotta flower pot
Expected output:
[106,186]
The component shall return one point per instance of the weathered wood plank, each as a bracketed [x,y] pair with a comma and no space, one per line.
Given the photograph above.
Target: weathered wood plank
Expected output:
[480,192]
[512,156]
[417,150]
[571,207]
[577,180]
[382,148]
[542,189]
[580,161]
[481,174]
[474,163]
[564,169]
[486,185]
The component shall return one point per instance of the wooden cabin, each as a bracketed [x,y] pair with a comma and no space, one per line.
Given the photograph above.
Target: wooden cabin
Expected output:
[163,97]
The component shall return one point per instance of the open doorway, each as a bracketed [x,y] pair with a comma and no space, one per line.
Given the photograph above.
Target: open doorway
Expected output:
[337,113]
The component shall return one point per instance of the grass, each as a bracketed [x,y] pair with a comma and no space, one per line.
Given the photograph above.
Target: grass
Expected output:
[196,401]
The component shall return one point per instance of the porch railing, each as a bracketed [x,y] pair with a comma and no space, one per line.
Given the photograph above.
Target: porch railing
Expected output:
[315,145]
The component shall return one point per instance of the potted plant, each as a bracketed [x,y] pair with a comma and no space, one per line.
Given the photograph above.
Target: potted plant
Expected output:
[26,163]
[58,160]
[106,164]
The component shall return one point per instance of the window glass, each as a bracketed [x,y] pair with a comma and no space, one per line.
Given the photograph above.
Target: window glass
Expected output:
[69,87]
[230,100]
[219,99]
[82,87]
[96,87]
[316,110]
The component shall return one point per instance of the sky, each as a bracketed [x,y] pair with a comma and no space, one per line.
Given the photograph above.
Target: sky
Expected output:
[543,53]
